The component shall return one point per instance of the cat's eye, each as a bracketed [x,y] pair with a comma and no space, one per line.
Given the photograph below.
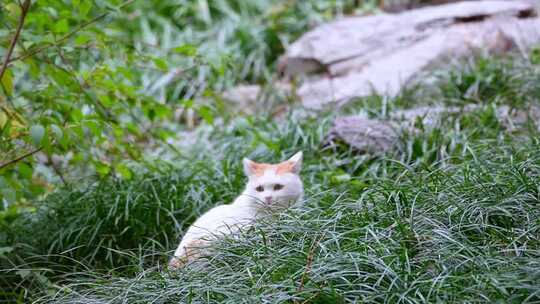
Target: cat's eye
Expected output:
[260,188]
[278,187]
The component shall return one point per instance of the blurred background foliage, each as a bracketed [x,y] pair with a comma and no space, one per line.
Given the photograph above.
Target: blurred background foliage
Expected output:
[92,85]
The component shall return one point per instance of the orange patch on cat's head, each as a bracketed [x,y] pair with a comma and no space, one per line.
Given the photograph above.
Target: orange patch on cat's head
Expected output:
[284,167]
[259,168]
[291,165]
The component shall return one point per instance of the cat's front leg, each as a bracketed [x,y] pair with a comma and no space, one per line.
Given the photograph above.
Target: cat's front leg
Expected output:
[188,253]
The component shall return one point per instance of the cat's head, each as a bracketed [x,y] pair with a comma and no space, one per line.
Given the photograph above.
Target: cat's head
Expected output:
[275,185]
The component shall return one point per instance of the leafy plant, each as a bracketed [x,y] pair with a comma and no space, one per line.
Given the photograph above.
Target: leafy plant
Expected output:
[90,86]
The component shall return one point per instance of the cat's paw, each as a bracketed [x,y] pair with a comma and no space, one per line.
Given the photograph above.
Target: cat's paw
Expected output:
[176,263]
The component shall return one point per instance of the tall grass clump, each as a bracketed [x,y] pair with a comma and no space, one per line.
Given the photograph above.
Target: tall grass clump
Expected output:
[466,232]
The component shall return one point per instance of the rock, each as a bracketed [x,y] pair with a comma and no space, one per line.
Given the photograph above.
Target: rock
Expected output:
[373,136]
[511,118]
[359,56]
[364,135]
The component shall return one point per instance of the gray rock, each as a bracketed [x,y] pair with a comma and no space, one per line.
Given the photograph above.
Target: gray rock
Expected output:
[363,135]
[359,56]
[512,119]
[374,137]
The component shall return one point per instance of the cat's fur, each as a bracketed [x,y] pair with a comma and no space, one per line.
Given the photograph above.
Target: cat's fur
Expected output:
[270,188]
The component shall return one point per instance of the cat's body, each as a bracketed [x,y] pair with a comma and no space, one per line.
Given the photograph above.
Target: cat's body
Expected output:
[270,188]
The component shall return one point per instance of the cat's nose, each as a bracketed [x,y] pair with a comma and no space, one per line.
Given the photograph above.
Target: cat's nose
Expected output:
[268,199]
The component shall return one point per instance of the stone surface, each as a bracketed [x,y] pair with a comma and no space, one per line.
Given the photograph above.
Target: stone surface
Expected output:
[359,56]
[512,119]
[362,134]
[373,136]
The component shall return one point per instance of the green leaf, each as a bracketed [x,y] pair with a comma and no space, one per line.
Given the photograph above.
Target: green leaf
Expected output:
[57,131]
[105,100]
[161,64]
[61,26]
[7,82]
[82,39]
[3,119]
[25,171]
[13,9]
[61,77]
[76,114]
[102,168]
[35,71]
[84,8]
[187,103]
[94,127]
[124,171]
[206,114]
[37,132]
[186,50]
[162,111]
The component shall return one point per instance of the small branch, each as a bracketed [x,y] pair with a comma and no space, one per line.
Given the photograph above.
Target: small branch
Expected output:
[309,262]
[25,7]
[13,161]
[68,35]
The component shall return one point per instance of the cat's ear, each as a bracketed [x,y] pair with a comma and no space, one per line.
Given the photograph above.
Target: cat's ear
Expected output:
[249,166]
[296,162]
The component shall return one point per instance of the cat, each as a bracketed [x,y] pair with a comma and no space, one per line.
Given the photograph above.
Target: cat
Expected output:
[270,188]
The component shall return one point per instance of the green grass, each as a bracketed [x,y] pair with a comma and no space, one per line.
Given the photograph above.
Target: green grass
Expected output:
[450,216]
[465,232]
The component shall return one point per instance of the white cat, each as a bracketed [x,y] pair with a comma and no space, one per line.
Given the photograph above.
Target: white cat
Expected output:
[270,188]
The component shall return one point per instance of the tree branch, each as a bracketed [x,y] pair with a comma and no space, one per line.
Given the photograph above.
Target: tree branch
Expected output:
[2,166]
[68,35]
[25,7]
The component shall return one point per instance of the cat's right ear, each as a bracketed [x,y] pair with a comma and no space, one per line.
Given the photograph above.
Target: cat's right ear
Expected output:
[249,166]
[296,162]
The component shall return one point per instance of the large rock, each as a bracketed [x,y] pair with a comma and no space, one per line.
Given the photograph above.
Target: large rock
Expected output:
[364,135]
[359,56]
[373,136]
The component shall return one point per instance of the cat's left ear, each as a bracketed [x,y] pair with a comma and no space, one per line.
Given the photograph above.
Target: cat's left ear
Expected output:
[296,162]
